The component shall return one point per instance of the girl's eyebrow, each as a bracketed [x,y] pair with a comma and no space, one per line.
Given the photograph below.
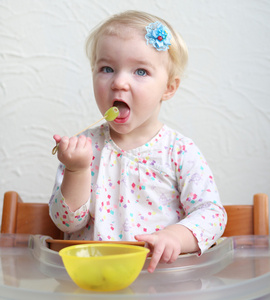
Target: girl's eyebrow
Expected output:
[145,63]
[103,60]
[139,62]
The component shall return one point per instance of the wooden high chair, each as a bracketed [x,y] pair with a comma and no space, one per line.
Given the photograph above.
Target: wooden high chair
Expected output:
[27,218]
[248,219]
[33,218]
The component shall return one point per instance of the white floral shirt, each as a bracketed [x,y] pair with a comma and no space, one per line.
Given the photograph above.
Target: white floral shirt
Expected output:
[143,190]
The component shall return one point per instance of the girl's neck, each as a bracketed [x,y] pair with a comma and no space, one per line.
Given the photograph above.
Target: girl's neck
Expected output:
[134,139]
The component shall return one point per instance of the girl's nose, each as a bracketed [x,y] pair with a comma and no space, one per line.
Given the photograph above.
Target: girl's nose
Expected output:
[120,82]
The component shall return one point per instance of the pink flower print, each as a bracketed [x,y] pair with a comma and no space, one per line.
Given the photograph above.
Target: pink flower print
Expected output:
[133,185]
[187,208]
[66,224]
[182,150]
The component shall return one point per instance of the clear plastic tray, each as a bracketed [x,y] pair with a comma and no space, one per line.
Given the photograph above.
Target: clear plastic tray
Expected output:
[237,268]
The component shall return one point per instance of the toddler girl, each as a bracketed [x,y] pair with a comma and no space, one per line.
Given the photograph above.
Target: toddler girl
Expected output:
[135,178]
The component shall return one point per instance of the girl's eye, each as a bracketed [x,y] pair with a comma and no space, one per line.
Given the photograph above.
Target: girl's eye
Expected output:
[141,72]
[107,69]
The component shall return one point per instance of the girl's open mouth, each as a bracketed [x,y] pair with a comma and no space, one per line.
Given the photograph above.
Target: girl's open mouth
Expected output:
[124,111]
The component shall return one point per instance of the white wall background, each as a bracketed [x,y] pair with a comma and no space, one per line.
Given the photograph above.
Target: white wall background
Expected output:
[223,103]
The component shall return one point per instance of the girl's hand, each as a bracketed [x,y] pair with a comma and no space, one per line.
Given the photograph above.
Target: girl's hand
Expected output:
[75,152]
[168,243]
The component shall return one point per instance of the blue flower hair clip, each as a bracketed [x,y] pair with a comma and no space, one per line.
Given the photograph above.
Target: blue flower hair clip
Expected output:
[158,35]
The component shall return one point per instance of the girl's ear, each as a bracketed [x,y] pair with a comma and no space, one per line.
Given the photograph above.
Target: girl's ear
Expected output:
[172,87]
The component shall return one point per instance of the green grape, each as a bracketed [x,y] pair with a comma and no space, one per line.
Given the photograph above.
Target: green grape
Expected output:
[111,114]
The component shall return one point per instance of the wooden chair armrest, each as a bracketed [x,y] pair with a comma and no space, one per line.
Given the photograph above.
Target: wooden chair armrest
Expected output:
[261,214]
[11,200]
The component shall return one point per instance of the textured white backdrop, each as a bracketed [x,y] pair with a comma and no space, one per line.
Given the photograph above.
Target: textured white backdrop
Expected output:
[223,103]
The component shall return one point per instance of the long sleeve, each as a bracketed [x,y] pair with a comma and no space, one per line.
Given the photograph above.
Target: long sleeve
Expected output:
[65,219]
[199,198]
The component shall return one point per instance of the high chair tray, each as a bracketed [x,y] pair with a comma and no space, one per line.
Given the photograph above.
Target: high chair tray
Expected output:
[57,245]
[237,268]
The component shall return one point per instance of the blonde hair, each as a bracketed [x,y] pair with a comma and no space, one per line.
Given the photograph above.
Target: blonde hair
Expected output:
[138,20]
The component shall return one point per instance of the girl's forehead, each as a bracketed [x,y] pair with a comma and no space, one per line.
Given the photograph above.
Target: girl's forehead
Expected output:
[123,31]
[129,49]
[128,36]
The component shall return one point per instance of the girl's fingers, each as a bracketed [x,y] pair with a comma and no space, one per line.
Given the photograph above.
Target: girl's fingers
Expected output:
[167,255]
[152,240]
[81,142]
[88,142]
[174,256]
[148,238]
[63,144]
[156,256]
[57,138]
[72,143]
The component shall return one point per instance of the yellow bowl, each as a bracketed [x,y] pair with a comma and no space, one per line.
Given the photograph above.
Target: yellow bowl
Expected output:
[103,267]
